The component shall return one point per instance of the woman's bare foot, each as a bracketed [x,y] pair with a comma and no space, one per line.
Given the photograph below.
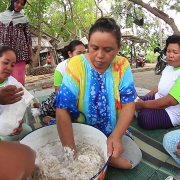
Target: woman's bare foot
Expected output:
[47,119]
[36,105]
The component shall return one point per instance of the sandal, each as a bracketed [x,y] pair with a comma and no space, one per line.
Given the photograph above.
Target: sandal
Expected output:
[45,87]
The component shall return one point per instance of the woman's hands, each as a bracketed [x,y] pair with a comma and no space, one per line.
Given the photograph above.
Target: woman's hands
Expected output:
[160,103]
[18,130]
[65,129]
[114,146]
[139,104]
[177,153]
[114,142]
[10,94]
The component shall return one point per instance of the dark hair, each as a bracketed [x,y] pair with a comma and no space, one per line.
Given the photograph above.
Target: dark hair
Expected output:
[172,39]
[11,7]
[5,48]
[106,25]
[71,47]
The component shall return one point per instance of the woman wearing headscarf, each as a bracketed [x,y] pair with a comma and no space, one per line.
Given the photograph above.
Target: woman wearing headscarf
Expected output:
[15,32]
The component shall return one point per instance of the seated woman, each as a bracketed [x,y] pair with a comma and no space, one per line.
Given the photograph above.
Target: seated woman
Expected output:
[160,108]
[98,89]
[8,59]
[17,160]
[47,107]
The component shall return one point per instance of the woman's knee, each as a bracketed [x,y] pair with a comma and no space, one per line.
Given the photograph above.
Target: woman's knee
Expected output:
[171,139]
[131,153]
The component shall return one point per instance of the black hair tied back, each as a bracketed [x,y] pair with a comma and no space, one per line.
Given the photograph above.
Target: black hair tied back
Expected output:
[71,47]
[106,25]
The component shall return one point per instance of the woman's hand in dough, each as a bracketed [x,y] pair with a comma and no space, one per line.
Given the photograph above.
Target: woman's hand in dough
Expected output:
[70,154]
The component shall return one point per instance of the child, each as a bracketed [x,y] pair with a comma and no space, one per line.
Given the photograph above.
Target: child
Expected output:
[8,59]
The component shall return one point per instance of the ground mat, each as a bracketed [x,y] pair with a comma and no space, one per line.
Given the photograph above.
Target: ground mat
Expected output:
[156,163]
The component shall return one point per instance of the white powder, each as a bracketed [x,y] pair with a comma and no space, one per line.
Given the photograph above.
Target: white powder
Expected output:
[54,162]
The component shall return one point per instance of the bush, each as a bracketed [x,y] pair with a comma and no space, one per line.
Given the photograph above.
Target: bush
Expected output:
[151,57]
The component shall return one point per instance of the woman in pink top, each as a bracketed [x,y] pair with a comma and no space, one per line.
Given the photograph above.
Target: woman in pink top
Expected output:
[15,32]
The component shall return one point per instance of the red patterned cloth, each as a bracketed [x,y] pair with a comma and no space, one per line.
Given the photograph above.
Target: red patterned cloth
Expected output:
[18,37]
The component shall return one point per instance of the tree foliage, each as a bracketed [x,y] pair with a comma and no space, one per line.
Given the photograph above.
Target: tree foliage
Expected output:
[125,12]
[63,19]
[4,4]
[71,19]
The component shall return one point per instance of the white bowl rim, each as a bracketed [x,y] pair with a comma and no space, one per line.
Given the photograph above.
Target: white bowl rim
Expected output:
[107,162]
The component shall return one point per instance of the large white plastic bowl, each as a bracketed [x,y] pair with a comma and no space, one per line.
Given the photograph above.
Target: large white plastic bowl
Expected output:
[34,140]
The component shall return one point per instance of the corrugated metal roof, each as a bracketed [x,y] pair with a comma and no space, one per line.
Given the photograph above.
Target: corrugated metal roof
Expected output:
[134,39]
[62,44]
[44,42]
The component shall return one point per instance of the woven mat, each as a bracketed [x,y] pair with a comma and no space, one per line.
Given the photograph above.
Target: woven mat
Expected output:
[156,163]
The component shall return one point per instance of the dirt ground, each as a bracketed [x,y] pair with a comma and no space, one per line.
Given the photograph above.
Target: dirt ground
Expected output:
[147,79]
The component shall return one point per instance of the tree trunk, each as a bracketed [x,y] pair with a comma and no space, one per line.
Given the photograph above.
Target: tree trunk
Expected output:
[159,14]
[52,57]
[36,57]
[72,20]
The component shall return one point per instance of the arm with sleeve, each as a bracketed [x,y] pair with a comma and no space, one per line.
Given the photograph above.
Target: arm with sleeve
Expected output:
[175,90]
[67,97]
[126,88]
[28,34]
[57,78]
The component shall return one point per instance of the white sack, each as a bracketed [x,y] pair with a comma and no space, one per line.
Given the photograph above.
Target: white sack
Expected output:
[13,113]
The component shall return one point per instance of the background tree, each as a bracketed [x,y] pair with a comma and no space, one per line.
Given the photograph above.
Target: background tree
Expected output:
[125,12]
[35,11]
[71,19]
[159,13]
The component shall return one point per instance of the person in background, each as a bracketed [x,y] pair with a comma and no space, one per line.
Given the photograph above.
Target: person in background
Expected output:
[8,59]
[48,60]
[47,108]
[160,108]
[98,89]
[17,29]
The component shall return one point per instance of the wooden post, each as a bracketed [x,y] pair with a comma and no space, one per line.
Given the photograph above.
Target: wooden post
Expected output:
[52,58]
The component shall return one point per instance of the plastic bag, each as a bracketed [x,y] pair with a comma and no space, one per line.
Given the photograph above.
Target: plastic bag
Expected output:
[13,113]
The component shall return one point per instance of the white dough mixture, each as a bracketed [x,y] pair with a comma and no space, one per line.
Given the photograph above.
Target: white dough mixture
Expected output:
[52,163]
